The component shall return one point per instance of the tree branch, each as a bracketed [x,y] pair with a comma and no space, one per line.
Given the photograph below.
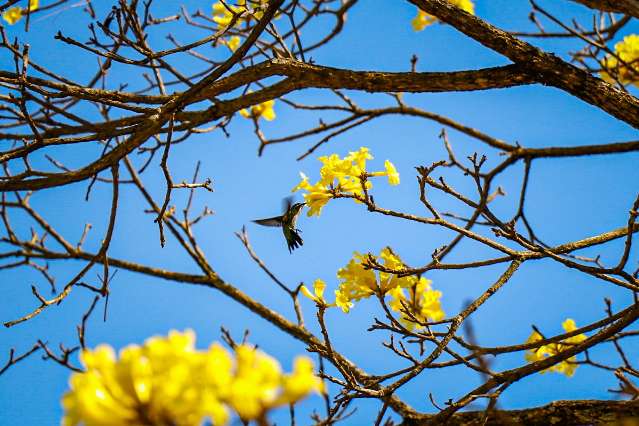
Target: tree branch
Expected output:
[550,69]
[629,7]
[568,413]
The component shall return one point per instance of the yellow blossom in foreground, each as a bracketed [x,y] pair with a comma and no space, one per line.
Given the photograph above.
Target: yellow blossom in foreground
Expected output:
[168,381]
[301,381]
[14,14]
[255,384]
[341,176]
[259,384]
[423,19]
[567,366]
[359,282]
[263,110]
[626,70]
[160,380]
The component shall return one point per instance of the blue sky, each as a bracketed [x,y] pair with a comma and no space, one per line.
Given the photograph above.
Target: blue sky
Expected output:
[568,199]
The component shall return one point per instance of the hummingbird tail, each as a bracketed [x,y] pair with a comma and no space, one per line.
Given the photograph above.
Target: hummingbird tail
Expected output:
[295,241]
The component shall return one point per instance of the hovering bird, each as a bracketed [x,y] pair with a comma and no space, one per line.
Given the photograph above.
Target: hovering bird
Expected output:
[287,221]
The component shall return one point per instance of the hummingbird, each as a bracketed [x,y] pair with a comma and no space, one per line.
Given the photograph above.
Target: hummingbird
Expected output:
[287,221]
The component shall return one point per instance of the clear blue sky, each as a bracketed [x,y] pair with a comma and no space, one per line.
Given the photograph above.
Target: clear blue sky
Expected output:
[568,199]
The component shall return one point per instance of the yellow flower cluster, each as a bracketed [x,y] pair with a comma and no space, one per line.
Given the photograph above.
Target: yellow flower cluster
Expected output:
[423,19]
[422,303]
[168,381]
[263,110]
[566,367]
[223,14]
[342,175]
[626,71]
[14,14]
[359,282]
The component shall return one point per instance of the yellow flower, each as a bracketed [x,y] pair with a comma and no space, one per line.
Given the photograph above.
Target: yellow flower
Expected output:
[168,381]
[255,383]
[223,13]
[389,281]
[627,72]
[360,282]
[342,301]
[301,382]
[357,282]
[423,19]
[568,326]
[567,366]
[259,385]
[391,172]
[346,171]
[264,110]
[147,385]
[232,43]
[359,158]
[423,304]
[257,7]
[14,14]
[339,175]
[318,291]
[316,198]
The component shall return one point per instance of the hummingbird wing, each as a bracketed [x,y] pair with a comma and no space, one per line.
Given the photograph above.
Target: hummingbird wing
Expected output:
[271,221]
[287,203]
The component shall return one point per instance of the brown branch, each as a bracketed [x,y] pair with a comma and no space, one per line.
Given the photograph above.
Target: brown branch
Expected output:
[629,7]
[16,359]
[549,69]
[569,413]
[318,77]
[516,374]
[100,257]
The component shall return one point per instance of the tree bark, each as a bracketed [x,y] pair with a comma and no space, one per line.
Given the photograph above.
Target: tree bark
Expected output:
[629,7]
[549,69]
[565,413]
